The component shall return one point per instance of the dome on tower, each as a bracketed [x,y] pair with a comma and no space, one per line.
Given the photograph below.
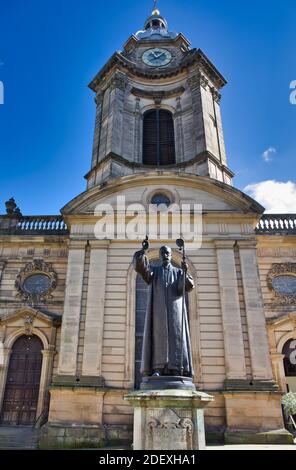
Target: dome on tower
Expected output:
[155,28]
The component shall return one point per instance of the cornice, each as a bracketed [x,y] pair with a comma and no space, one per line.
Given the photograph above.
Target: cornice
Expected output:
[237,198]
[201,157]
[194,56]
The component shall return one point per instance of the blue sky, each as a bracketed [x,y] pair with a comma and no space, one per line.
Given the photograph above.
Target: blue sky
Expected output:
[51,49]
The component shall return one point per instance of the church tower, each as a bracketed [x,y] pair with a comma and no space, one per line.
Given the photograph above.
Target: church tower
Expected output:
[158,107]
[159,138]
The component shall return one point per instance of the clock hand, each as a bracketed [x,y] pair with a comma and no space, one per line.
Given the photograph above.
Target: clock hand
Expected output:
[155,55]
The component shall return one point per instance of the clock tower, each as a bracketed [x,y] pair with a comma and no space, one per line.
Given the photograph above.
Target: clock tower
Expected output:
[158,108]
[159,139]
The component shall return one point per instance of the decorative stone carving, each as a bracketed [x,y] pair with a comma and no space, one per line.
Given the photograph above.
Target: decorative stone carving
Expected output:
[216,95]
[169,431]
[198,80]
[36,282]
[280,280]
[118,81]
[99,98]
[28,325]
[11,208]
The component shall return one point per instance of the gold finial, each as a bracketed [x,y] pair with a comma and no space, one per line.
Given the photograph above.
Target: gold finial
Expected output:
[155,11]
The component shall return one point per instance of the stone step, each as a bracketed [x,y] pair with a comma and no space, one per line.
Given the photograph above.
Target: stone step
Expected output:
[14,437]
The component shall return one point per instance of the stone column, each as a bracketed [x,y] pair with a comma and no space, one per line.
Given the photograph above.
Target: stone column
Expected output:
[232,328]
[72,309]
[47,363]
[4,364]
[279,370]
[257,330]
[94,322]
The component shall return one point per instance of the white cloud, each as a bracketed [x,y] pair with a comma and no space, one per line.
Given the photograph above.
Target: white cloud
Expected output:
[277,197]
[267,155]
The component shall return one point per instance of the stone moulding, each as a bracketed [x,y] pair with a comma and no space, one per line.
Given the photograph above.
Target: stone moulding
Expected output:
[277,270]
[162,95]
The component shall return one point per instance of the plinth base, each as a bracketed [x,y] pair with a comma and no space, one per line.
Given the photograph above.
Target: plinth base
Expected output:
[165,382]
[169,419]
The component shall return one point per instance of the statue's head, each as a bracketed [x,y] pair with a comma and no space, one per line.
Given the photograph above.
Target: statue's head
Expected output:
[165,253]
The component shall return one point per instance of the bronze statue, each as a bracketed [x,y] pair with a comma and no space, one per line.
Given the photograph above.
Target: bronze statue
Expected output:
[166,344]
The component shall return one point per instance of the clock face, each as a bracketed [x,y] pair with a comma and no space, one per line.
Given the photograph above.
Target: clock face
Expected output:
[157,57]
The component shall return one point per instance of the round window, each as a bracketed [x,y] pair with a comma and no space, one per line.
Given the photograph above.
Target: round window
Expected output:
[37,284]
[159,198]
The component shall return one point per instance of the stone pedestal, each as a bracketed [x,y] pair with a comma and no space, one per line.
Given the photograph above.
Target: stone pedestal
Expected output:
[169,419]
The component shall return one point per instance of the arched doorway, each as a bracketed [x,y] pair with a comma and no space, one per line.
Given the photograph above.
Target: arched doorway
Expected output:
[23,381]
[289,351]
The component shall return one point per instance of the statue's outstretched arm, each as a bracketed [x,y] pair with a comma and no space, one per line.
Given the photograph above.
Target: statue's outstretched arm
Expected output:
[142,266]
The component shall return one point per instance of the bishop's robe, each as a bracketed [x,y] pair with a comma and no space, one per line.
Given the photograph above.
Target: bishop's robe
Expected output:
[162,330]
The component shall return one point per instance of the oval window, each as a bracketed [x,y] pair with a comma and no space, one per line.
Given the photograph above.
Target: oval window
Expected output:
[284,285]
[37,284]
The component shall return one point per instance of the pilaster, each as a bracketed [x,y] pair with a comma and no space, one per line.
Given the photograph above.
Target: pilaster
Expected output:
[94,323]
[233,336]
[96,143]
[257,331]
[115,118]
[72,308]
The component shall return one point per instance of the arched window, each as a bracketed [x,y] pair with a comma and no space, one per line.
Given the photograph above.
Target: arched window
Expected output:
[158,138]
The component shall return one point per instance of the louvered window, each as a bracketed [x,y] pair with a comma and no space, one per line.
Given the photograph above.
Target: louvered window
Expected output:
[158,138]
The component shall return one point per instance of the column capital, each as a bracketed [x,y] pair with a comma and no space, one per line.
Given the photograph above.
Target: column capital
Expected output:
[224,244]
[99,244]
[247,244]
[48,353]
[77,244]
[277,356]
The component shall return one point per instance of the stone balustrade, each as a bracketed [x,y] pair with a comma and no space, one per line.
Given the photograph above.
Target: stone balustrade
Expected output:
[33,225]
[269,224]
[277,224]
